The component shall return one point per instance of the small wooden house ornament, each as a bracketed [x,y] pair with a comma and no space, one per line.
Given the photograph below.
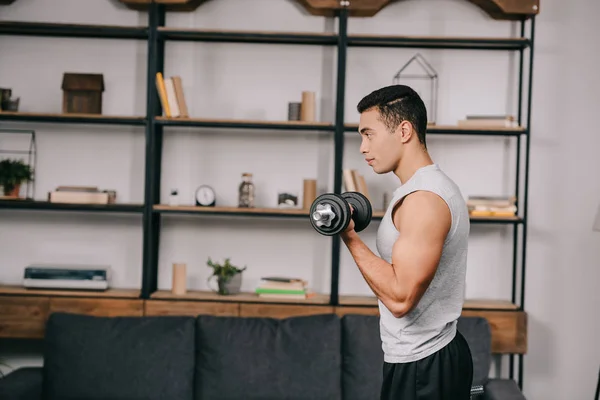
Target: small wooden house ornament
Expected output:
[82,93]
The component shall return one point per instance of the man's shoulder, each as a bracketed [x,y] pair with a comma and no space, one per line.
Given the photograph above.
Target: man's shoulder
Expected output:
[423,208]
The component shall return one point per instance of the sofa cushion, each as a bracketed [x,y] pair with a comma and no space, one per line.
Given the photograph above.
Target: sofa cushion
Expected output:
[134,358]
[362,357]
[268,358]
[478,335]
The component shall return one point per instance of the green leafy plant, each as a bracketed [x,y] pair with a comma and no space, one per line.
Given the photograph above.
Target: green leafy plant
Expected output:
[224,272]
[13,173]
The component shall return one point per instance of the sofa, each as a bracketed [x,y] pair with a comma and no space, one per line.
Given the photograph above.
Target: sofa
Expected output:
[217,357]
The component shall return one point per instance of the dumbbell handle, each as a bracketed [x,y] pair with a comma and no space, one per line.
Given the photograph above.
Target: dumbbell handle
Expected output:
[323,215]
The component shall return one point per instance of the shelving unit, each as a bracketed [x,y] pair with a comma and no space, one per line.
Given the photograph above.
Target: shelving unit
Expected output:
[509,330]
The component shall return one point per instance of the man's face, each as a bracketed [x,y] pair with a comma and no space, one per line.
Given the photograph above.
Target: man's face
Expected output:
[381,149]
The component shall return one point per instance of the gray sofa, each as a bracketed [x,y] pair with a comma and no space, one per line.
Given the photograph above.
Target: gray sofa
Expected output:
[208,357]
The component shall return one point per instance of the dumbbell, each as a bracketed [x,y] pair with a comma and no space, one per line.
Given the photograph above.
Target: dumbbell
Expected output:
[330,213]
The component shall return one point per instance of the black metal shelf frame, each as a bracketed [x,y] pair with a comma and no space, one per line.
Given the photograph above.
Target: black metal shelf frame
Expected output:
[48,206]
[49,29]
[72,119]
[157,35]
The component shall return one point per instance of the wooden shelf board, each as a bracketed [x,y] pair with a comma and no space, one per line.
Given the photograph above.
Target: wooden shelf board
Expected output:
[497,9]
[460,130]
[71,118]
[493,219]
[163,208]
[16,290]
[247,297]
[489,304]
[26,204]
[377,215]
[470,304]
[244,123]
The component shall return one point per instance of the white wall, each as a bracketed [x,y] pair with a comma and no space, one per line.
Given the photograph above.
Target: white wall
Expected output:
[563,252]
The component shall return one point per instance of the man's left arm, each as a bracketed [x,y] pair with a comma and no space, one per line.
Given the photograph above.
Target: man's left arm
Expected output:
[423,221]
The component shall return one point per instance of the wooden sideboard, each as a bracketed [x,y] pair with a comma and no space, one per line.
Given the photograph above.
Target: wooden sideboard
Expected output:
[23,312]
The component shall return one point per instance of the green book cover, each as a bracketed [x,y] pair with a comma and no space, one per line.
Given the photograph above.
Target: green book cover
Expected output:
[279,291]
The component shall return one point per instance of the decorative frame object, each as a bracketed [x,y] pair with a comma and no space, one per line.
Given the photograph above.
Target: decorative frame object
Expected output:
[415,81]
[26,153]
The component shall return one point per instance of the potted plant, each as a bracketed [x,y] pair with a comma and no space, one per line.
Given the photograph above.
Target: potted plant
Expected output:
[229,276]
[12,174]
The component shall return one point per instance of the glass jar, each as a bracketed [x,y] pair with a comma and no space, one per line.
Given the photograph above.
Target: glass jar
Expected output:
[246,191]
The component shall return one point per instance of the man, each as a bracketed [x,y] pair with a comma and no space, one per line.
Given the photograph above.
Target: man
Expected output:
[419,278]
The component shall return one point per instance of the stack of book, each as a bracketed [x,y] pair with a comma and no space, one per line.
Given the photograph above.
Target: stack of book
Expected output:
[82,195]
[274,287]
[492,206]
[488,121]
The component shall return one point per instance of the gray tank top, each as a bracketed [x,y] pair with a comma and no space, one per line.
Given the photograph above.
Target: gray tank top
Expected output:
[431,324]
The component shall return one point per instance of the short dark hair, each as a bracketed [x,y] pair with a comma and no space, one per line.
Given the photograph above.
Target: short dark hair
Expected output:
[397,103]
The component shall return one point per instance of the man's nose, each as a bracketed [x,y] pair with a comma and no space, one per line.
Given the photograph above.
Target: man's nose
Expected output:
[363,147]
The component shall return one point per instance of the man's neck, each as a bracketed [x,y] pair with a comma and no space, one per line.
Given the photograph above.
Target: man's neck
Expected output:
[411,162]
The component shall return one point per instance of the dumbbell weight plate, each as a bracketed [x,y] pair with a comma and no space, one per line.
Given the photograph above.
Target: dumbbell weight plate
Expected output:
[362,209]
[341,211]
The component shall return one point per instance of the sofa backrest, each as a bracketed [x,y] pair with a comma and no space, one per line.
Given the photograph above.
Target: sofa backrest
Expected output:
[362,357]
[88,357]
[266,358]
[186,358]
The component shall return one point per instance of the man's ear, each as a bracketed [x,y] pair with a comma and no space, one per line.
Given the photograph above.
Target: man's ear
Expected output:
[405,131]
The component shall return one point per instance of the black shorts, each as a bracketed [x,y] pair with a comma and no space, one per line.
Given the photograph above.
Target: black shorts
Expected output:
[444,375]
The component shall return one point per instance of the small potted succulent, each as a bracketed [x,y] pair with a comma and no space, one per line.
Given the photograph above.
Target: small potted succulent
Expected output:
[12,174]
[229,276]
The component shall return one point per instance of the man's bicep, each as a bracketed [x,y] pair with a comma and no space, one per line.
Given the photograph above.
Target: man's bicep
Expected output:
[423,221]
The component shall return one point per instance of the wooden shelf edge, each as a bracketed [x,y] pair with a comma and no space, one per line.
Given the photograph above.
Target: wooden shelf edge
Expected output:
[496,9]
[70,117]
[245,297]
[433,129]
[469,304]
[230,210]
[474,219]
[29,204]
[232,122]
[116,293]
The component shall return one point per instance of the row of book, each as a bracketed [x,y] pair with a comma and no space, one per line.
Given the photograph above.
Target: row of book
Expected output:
[355,182]
[276,287]
[492,206]
[172,98]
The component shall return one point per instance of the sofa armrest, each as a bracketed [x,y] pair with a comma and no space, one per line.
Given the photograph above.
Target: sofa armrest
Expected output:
[502,389]
[22,384]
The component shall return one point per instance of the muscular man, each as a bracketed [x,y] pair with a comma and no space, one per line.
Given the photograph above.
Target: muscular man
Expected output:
[419,275]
